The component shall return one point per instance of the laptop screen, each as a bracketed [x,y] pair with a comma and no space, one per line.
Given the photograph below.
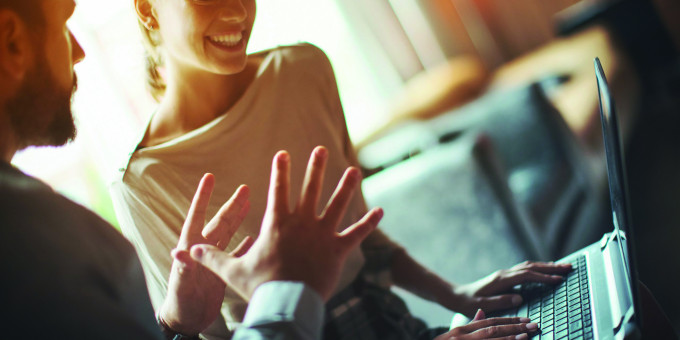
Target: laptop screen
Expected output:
[616,173]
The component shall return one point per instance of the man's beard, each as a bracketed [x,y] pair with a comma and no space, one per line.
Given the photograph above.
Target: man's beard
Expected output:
[40,112]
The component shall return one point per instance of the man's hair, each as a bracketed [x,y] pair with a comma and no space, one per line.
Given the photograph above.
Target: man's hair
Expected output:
[30,11]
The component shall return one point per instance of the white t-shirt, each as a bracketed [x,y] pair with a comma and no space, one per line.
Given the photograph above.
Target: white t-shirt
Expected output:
[292,104]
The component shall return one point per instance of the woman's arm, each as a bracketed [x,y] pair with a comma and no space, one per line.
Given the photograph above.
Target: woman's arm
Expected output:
[489,293]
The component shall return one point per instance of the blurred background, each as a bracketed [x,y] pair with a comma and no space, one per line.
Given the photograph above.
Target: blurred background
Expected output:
[475,121]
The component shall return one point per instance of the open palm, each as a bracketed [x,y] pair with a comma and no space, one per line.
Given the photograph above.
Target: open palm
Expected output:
[195,294]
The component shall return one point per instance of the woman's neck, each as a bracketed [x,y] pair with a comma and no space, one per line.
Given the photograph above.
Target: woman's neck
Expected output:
[193,99]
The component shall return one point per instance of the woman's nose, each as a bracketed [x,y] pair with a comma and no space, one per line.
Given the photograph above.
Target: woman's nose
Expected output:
[233,10]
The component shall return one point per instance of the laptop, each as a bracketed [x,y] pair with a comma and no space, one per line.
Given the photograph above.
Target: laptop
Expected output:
[598,299]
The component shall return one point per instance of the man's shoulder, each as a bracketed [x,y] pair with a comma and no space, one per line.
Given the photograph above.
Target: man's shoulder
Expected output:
[25,198]
[63,260]
[29,206]
[13,181]
[19,190]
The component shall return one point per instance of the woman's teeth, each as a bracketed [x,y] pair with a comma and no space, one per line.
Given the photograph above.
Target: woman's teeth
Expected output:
[231,39]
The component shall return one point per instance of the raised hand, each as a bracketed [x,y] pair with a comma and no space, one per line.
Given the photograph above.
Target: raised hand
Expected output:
[195,294]
[296,244]
[492,292]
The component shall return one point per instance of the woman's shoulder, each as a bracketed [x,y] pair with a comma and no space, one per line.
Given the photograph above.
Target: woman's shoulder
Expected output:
[303,51]
[302,54]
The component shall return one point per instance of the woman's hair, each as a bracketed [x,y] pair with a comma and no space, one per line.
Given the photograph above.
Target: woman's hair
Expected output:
[154,60]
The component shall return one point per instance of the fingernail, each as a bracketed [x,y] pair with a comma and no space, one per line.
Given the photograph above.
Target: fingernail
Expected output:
[522,336]
[380,212]
[479,315]
[198,252]
[524,320]
[532,326]
[557,277]
[352,173]
[320,151]
[517,300]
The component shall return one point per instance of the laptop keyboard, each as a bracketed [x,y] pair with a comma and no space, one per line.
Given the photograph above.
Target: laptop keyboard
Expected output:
[562,311]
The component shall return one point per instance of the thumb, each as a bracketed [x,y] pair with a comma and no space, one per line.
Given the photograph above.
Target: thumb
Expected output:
[356,233]
[499,302]
[212,258]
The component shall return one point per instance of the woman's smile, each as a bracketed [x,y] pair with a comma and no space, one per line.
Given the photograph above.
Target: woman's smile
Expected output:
[231,41]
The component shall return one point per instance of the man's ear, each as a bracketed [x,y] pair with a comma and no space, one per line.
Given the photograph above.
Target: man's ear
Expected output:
[146,14]
[15,45]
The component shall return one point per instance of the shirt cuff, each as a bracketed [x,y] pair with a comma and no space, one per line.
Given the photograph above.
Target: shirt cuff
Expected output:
[287,302]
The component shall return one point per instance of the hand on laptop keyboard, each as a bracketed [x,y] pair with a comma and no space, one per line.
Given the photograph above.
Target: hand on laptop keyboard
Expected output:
[494,292]
[494,328]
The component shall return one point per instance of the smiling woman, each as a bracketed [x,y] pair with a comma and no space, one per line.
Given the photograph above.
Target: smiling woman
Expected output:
[112,103]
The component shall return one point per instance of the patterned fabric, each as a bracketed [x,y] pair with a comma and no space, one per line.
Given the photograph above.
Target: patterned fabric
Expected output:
[366,311]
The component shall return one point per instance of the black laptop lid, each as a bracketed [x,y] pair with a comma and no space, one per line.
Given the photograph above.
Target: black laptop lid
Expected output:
[616,173]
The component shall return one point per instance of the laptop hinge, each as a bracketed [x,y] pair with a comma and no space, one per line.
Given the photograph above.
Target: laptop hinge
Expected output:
[613,265]
[610,237]
[604,241]
[624,319]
